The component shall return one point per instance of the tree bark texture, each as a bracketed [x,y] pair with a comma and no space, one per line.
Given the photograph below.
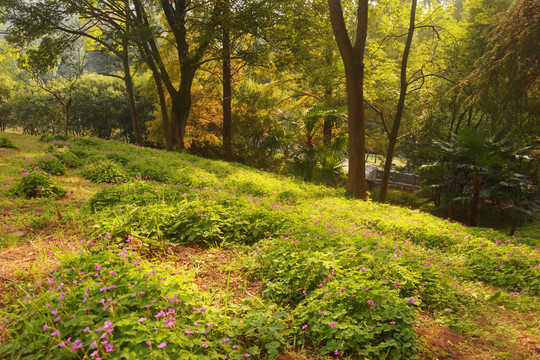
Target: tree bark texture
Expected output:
[353,60]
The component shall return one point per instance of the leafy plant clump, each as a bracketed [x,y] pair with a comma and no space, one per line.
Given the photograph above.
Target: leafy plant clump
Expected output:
[6,143]
[114,305]
[104,172]
[37,183]
[200,221]
[138,192]
[50,165]
[64,154]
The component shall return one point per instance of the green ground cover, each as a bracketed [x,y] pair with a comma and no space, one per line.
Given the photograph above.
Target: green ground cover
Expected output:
[336,277]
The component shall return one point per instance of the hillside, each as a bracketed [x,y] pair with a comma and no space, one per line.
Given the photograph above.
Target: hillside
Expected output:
[160,255]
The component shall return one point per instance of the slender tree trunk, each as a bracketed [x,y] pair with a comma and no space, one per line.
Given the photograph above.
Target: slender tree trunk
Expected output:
[164,113]
[162,103]
[227,94]
[459,122]
[513,229]
[473,214]
[453,185]
[327,125]
[392,140]
[131,96]
[470,117]
[68,114]
[353,60]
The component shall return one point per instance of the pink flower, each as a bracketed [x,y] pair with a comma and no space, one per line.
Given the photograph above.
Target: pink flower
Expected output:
[162,345]
[143,319]
[149,343]
[332,324]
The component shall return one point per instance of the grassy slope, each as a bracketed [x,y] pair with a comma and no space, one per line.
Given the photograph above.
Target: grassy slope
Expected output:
[461,267]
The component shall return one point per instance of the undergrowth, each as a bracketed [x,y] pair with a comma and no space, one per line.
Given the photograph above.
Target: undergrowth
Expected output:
[342,276]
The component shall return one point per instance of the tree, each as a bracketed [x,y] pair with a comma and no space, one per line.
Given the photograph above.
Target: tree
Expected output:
[353,60]
[404,83]
[103,22]
[505,80]
[474,170]
[193,26]
[57,79]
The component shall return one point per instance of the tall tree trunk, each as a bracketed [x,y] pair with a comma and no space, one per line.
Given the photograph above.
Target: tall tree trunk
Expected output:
[392,139]
[128,80]
[353,60]
[227,93]
[181,105]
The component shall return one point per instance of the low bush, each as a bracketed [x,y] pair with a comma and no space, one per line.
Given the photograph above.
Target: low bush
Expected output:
[150,170]
[136,192]
[200,221]
[37,183]
[45,138]
[7,143]
[50,164]
[64,154]
[104,172]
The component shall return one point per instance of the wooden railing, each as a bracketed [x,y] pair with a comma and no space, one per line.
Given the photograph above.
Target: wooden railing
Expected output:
[398,180]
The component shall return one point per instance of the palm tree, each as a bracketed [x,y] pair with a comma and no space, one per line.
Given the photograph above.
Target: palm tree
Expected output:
[473,165]
[312,161]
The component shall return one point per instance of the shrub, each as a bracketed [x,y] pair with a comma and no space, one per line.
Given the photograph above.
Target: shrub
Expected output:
[356,316]
[45,138]
[50,165]
[6,143]
[201,221]
[60,137]
[37,183]
[136,192]
[64,154]
[402,198]
[150,170]
[104,172]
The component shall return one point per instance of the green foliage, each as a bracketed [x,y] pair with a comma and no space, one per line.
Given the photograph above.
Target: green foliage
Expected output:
[45,138]
[202,221]
[50,164]
[117,305]
[64,154]
[402,198]
[7,143]
[476,171]
[105,171]
[135,192]
[37,183]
